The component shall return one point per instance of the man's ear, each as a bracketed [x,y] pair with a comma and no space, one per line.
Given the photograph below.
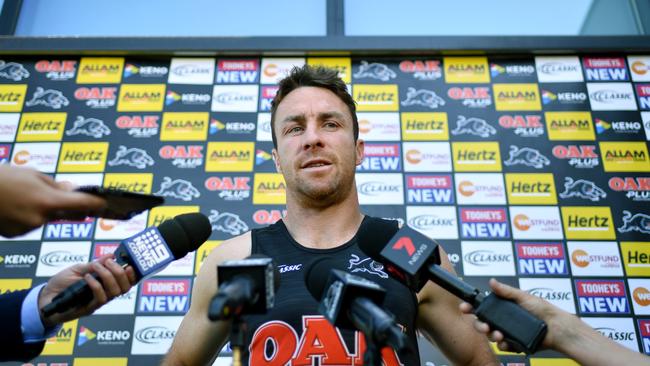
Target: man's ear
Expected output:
[360,151]
[276,160]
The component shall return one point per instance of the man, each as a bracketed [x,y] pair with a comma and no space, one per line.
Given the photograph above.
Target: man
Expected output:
[315,134]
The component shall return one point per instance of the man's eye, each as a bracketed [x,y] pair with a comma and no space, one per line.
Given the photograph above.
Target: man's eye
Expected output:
[294,129]
[331,124]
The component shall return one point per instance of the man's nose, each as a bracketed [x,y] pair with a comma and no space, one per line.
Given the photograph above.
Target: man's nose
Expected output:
[312,136]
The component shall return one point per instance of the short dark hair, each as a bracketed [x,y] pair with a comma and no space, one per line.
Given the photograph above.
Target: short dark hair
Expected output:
[317,76]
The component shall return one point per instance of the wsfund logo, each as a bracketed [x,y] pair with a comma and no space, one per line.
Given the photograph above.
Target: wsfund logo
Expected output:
[486,258]
[60,257]
[154,334]
[641,296]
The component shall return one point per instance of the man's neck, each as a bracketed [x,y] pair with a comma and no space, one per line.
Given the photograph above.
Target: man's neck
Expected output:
[324,227]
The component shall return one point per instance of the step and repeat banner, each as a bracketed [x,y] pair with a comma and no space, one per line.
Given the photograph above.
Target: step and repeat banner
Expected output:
[534,170]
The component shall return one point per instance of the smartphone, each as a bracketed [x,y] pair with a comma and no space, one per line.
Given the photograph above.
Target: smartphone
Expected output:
[122,205]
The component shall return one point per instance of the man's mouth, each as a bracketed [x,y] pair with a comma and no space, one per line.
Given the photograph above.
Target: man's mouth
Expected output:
[315,164]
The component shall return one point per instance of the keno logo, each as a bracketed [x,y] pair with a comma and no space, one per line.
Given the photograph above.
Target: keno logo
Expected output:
[636,188]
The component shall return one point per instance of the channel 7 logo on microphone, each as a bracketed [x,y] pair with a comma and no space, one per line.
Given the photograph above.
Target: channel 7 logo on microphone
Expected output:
[409,250]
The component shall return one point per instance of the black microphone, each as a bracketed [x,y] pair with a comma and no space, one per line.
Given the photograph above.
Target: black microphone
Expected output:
[353,302]
[245,286]
[146,252]
[414,258]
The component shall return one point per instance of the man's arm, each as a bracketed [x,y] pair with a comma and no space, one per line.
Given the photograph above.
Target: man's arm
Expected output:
[442,322]
[199,340]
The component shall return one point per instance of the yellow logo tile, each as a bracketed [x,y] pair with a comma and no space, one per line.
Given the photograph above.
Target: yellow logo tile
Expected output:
[41,126]
[203,252]
[132,182]
[533,189]
[230,157]
[11,285]
[516,97]
[636,257]
[587,222]
[104,361]
[184,126]
[422,126]
[269,189]
[341,64]
[141,98]
[159,214]
[12,97]
[476,156]
[377,98]
[625,156]
[63,342]
[87,157]
[466,70]
[569,126]
[552,362]
[100,70]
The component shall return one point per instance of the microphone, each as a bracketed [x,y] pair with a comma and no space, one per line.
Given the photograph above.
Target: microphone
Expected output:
[349,301]
[146,252]
[245,286]
[414,258]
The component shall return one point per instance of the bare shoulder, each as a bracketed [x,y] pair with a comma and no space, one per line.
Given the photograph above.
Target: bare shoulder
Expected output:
[238,247]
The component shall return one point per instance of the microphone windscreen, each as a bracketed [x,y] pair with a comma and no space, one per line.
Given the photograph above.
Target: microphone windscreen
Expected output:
[374,234]
[317,275]
[185,233]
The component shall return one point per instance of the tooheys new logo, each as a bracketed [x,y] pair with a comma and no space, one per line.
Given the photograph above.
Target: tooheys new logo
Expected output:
[523,125]
[318,340]
[422,69]
[429,189]
[579,156]
[381,157]
[57,69]
[643,93]
[97,97]
[541,259]
[266,97]
[484,223]
[164,296]
[139,125]
[237,71]
[70,229]
[605,69]
[476,97]
[644,328]
[602,297]
[183,156]
[636,188]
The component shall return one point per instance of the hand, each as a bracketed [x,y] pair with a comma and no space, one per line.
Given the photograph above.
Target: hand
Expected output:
[30,198]
[556,319]
[115,279]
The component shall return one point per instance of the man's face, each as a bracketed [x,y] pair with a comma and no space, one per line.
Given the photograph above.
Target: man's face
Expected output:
[316,151]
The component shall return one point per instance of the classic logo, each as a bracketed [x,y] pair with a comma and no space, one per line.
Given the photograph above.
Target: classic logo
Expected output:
[374,70]
[191,71]
[588,222]
[41,126]
[439,222]
[135,157]
[56,70]
[48,98]
[178,188]
[611,96]
[100,70]
[487,258]
[184,126]
[230,188]
[55,256]
[476,156]
[238,71]
[537,188]
[526,156]
[466,70]
[569,126]
[153,335]
[132,182]
[227,222]
[429,189]
[183,156]
[424,126]
[605,69]
[141,98]
[83,157]
[234,98]
[485,223]
[230,157]
[473,126]
[561,69]
[541,259]
[13,71]
[516,97]
[12,97]
[523,125]
[384,188]
[636,188]
[578,156]
[343,65]
[92,127]
[557,291]
[625,156]
[582,188]
[602,297]
[422,97]
[139,126]
[476,97]
[381,157]
[422,69]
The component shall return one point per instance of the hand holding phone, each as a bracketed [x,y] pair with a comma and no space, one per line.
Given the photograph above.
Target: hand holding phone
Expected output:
[122,205]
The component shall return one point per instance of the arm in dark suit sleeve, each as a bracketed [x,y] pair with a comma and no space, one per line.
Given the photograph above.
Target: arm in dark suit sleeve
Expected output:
[11,336]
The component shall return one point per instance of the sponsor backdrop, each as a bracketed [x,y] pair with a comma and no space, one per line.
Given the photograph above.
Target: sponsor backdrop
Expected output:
[533,170]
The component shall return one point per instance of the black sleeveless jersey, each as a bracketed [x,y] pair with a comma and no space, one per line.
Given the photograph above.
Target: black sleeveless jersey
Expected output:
[293,332]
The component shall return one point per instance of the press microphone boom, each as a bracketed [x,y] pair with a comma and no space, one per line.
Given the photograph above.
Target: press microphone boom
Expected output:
[146,252]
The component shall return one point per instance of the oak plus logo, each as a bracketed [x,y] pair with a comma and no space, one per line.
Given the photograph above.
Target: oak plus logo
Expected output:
[471,97]
[139,126]
[530,222]
[487,258]
[426,69]
[438,222]
[578,156]
[183,156]
[611,96]
[635,188]
[97,97]
[380,189]
[230,188]
[602,297]
[557,291]
[541,258]
[57,70]
[480,189]
[595,258]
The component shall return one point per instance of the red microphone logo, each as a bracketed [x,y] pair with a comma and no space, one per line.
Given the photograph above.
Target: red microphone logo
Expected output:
[405,243]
